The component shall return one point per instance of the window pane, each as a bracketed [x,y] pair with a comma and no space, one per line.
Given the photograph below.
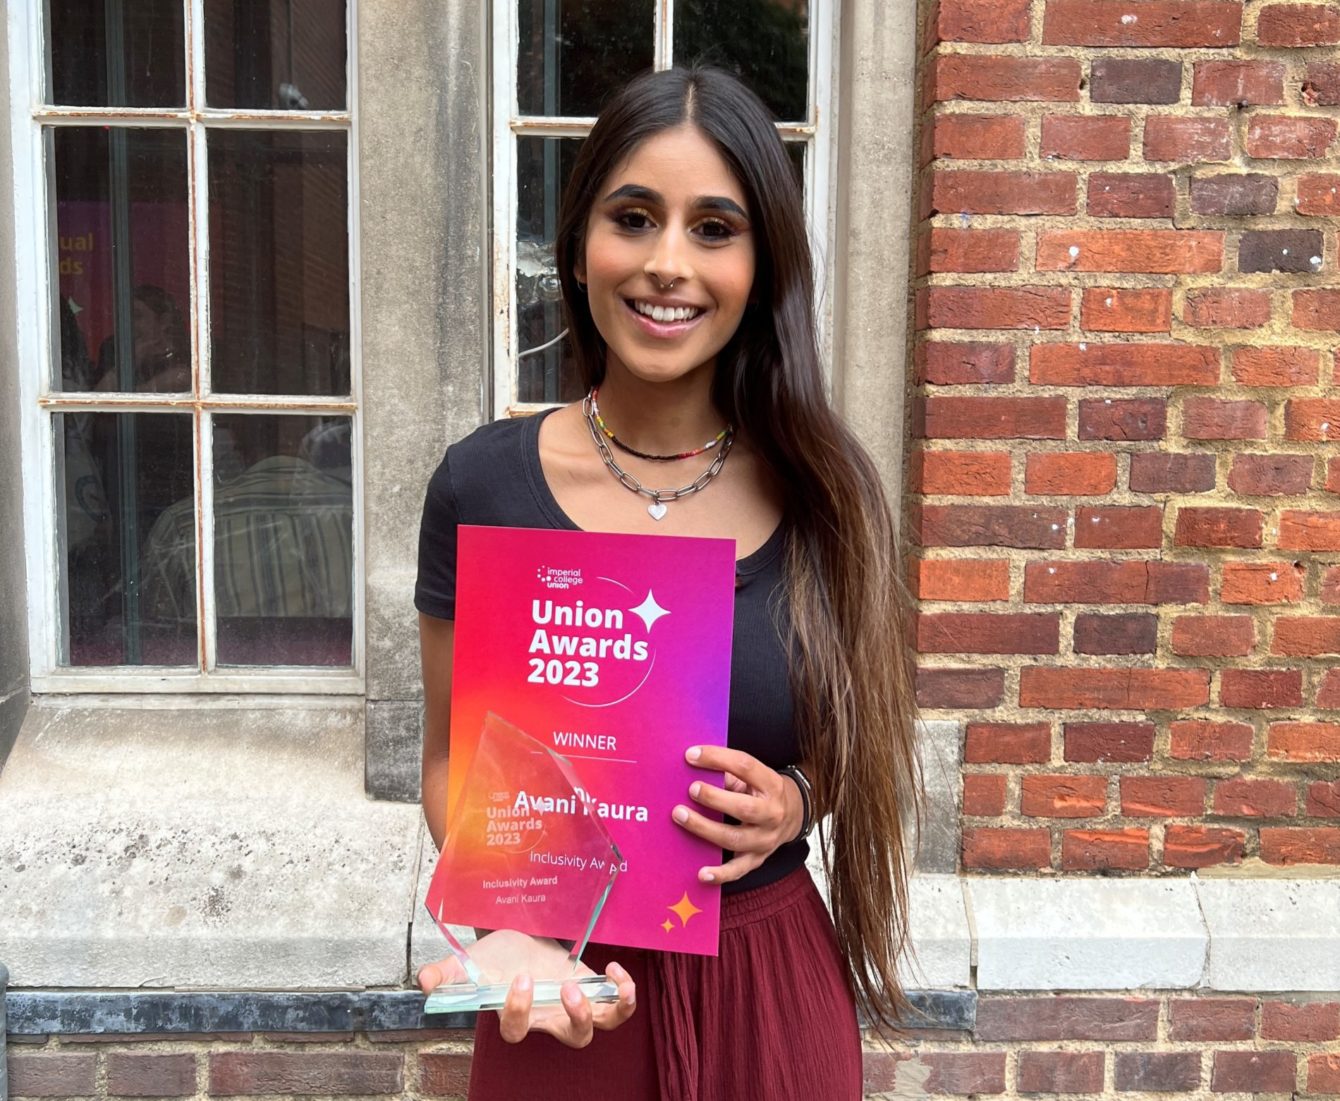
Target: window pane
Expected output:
[275,54]
[573,54]
[117,53]
[127,539]
[283,540]
[121,248]
[279,252]
[765,42]
[543,167]
[796,151]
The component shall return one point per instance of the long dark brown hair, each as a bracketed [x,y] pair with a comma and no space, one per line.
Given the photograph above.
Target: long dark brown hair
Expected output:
[850,659]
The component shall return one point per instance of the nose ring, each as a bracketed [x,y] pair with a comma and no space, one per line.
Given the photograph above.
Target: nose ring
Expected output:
[665,286]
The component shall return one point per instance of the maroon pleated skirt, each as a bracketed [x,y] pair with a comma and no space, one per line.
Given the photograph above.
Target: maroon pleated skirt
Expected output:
[771,1018]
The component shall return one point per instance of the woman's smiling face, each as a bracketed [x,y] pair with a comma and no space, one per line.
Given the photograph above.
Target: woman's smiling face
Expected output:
[669,257]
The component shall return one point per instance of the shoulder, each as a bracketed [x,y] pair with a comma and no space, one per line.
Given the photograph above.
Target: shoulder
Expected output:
[492,476]
[490,455]
[500,441]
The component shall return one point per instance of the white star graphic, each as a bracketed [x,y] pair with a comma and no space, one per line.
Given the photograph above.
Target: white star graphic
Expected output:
[649,611]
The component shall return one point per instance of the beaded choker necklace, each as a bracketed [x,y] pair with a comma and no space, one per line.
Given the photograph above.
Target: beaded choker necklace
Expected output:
[609,435]
[658,497]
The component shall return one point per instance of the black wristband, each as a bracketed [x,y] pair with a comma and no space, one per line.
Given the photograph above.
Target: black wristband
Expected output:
[806,801]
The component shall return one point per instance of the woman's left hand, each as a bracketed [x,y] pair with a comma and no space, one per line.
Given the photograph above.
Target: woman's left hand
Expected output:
[766,804]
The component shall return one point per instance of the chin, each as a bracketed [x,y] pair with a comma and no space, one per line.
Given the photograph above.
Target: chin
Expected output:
[656,370]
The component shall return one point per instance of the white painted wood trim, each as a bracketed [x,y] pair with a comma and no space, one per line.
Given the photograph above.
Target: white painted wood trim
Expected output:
[358,655]
[821,165]
[32,315]
[663,53]
[201,378]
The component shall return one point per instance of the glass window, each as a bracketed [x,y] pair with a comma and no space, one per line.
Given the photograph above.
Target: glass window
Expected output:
[200,386]
[117,53]
[279,262]
[765,41]
[563,60]
[547,372]
[126,479]
[283,540]
[574,54]
[276,55]
[124,288]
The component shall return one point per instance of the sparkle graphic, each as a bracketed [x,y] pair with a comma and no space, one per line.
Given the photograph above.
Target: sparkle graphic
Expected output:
[649,611]
[667,925]
[684,909]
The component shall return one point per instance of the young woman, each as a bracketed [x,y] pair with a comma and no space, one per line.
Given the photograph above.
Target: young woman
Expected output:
[688,289]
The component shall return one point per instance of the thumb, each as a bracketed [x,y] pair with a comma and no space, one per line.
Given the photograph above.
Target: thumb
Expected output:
[429,977]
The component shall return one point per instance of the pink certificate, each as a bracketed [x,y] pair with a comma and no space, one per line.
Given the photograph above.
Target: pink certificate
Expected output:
[613,651]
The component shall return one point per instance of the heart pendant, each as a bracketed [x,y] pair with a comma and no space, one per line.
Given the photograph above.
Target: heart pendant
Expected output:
[657,509]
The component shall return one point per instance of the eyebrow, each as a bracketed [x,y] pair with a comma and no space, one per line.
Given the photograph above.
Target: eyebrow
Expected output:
[706,202]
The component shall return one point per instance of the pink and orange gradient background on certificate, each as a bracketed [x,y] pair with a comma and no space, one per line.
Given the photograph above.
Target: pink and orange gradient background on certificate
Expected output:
[653,709]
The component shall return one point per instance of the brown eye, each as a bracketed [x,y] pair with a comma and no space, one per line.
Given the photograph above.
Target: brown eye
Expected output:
[633,219]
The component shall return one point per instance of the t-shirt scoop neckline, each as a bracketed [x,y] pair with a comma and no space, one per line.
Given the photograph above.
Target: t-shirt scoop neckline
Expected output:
[548,503]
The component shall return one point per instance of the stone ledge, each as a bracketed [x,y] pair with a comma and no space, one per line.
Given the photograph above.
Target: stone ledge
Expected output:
[212,845]
[1272,935]
[1227,935]
[1087,934]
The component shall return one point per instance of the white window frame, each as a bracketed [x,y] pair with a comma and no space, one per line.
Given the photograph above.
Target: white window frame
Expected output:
[35,261]
[509,125]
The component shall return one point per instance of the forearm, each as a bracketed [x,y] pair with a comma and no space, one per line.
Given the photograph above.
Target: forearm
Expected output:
[434,798]
[436,639]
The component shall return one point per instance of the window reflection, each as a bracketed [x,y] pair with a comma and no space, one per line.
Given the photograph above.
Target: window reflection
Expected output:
[283,544]
[574,54]
[279,262]
[124,268]
[544,374]
[766,42]
[119,474]
[117,53]
[285,55]
[283,540]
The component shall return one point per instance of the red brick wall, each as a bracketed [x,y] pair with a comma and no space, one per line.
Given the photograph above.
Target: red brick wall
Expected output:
[1125,483]
[1136,1045]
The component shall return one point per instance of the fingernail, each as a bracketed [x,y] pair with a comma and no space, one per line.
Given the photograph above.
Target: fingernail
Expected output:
[619,973]
[572,995]
[694,753]
[694,788]
[522,983]
[706,876]
[680,815]
[632,999]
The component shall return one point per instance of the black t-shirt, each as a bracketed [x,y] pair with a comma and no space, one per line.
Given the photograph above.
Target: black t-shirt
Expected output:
[493,477]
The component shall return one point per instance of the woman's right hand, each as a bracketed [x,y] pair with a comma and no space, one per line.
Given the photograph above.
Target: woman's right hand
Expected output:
[572,1023]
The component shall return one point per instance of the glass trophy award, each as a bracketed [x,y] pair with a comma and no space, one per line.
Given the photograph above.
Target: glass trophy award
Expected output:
[525,858]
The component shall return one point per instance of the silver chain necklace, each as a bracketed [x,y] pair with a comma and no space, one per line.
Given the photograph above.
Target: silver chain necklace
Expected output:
[659,497]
